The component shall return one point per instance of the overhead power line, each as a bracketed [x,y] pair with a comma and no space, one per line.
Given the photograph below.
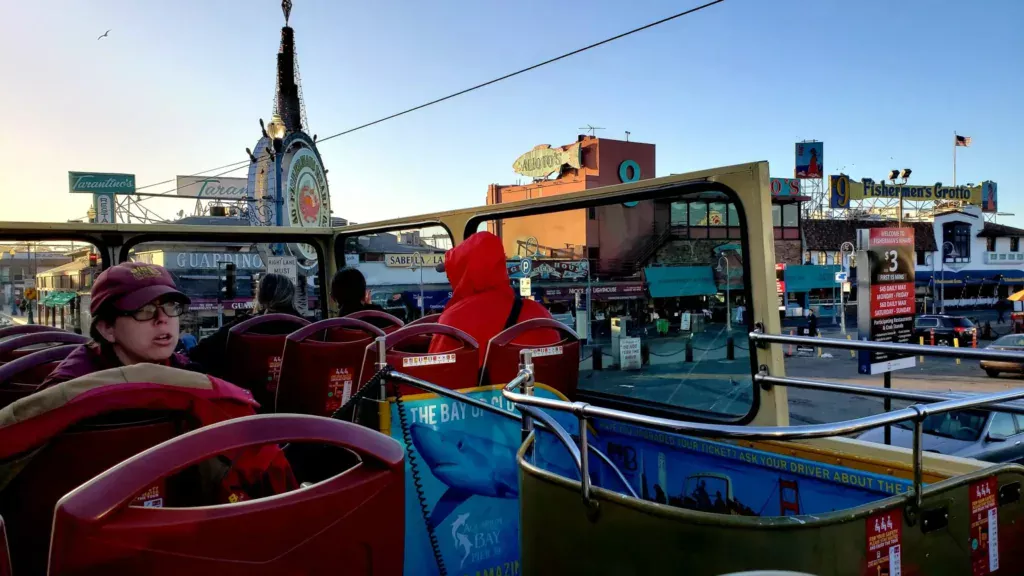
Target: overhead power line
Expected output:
[470,89]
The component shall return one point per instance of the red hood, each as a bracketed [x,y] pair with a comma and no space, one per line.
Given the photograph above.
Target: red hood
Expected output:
[477,265]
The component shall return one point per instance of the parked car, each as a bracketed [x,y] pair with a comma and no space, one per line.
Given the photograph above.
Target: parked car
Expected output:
[1010,343]
[946,328]
[983,435]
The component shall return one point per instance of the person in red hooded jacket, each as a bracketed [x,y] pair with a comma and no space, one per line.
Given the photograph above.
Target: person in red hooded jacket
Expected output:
[482,296]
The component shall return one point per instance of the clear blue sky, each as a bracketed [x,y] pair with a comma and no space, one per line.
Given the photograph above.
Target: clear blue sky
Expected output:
[178,87]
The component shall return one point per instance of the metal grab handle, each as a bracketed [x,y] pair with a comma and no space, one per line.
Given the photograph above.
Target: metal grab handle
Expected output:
[758,336]
[916,413]
[546,422]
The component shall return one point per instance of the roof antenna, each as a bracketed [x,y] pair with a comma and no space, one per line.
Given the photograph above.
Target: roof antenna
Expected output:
[591,129]
[627,135]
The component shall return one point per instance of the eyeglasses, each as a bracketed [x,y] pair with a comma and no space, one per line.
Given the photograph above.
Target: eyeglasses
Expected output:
[148,312]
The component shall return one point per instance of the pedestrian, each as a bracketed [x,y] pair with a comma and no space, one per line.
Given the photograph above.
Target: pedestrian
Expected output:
[812,323]
[1001,306]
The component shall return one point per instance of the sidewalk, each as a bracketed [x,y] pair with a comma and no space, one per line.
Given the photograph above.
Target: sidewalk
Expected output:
[21,320]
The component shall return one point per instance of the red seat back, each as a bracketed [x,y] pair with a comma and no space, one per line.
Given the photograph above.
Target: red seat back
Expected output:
[53,447]
[350,523]
[455,369]
[5,555]
[25,344]
[254,349]
[317,377]
[428,319]
[65,463]
[420,344]
[19,329]
[556,365]
[394,323]
[23,376]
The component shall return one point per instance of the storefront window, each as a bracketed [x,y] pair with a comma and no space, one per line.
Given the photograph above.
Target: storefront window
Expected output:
[698,214]
[717,214]
[776,215]
[679,214]
[734,216]
[791,215]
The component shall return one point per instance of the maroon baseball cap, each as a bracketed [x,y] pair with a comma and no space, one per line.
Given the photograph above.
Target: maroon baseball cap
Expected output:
[132,285]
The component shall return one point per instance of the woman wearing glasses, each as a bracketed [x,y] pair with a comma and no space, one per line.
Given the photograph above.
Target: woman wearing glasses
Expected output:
[135,309]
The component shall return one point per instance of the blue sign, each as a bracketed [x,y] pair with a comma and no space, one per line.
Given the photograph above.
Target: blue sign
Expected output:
[810,157]
[725,478]
[465,461]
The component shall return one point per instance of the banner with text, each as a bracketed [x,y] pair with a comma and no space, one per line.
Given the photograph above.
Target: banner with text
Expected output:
[844,191]
[465,470]
[887,283]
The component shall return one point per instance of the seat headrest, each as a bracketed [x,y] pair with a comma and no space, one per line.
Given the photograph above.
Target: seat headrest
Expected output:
[56,396]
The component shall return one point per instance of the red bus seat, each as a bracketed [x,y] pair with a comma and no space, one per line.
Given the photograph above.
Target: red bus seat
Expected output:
[428,319]
[420,344]
[318,376]
[348,523]
[455,369]
[23,376]
[58,438]
[25,344]
[5,555]
[19,329]
[391,323]
[556,365]
[254,350]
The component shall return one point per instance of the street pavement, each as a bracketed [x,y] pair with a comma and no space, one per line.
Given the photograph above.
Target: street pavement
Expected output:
[714,383]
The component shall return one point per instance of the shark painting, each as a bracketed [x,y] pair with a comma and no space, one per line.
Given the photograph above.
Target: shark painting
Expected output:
[469,465]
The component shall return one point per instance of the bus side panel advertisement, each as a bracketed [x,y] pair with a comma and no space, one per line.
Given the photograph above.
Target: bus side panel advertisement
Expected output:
[886,285]
[724,478]
[467,477]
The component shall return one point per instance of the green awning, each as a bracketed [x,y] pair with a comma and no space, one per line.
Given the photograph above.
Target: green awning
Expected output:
[801,278]
[58,298]
[677,281]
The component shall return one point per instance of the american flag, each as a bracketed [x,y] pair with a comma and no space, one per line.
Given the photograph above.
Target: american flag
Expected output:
[963,140]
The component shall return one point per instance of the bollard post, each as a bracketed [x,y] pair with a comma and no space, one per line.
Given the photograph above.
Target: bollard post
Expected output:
[819,347]
[956,344]
[921,341]
[974,338]
[932,333]
[596,358]
[790,346]
[730,348]
[689,349]
[853,353]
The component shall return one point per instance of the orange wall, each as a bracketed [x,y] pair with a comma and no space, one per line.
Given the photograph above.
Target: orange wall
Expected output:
[616,228]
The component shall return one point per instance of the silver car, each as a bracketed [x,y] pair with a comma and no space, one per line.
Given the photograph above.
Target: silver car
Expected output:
[1010,343]
[990,436]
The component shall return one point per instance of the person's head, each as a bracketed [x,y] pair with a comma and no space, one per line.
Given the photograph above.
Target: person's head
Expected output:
[477,265]
[276,293]
[135,309]
[348,288]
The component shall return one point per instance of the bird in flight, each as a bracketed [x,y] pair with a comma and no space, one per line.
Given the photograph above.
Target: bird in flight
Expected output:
[104,35]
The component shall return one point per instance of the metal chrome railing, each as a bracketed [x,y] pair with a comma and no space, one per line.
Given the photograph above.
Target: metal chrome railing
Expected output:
[518,391]
[547,423]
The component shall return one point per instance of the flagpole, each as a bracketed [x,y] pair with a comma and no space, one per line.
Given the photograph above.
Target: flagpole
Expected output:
[954,158]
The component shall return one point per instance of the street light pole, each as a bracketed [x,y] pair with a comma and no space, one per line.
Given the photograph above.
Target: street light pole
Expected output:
[846,266]
[419,264]
[728,299]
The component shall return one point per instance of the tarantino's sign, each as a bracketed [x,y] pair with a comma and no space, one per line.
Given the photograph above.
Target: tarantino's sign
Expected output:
[888,283]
